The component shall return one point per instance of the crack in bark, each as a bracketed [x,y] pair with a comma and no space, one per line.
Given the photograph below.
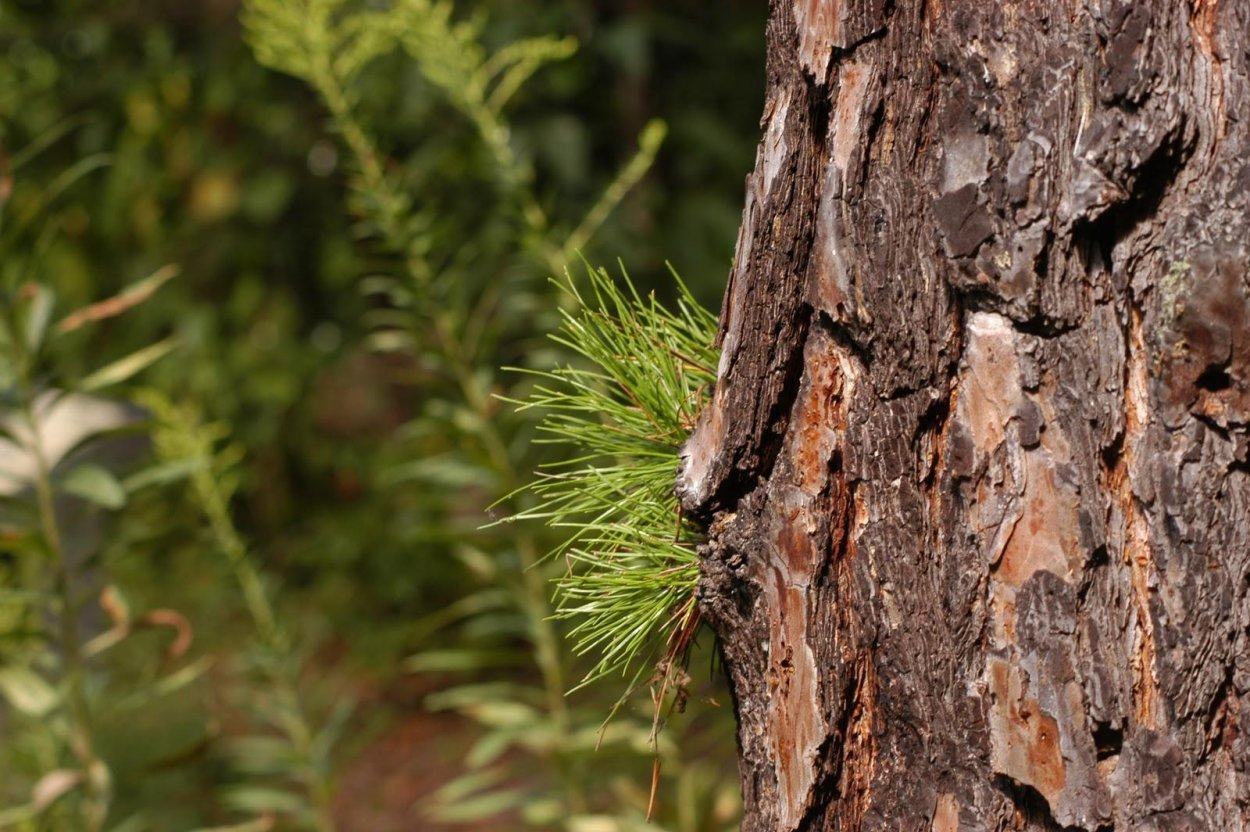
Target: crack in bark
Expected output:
[1137,548]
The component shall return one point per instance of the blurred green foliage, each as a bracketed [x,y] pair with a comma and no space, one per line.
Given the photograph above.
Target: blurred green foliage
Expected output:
[227,169]
[352,492]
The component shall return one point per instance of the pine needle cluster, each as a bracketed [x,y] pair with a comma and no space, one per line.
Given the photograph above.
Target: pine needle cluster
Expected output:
[631,563]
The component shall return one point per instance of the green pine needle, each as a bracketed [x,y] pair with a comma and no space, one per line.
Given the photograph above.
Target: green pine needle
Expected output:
[632,566]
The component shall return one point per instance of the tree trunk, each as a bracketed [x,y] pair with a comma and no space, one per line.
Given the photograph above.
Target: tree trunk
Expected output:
[975,470]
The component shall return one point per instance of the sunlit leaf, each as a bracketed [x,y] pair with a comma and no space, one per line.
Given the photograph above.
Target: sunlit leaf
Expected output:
[261,824]
[37,316]
[94,484]
[65,180]
[465,785]
[169,684]
[127,368]
[24,597]
[263,755]
[481,806]
[138,822]
[163,473]
[53,786]
[544,812]
[605,823]
[128,298]
[453,660]
[15,815]
[333,728]
[489,748]
[27,691]
[45,140]
[260,799]
[447,471]
[465,696]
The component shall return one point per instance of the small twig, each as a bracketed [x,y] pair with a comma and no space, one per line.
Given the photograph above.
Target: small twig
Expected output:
[655,787]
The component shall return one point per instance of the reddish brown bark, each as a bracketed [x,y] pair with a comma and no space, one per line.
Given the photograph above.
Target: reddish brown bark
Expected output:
[976,470]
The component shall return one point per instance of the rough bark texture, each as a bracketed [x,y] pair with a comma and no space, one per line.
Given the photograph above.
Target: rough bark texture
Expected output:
[975,471]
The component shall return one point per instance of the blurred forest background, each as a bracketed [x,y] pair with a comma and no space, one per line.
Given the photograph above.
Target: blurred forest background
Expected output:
[280,252]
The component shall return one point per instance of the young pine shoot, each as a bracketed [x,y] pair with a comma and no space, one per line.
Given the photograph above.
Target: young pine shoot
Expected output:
[645,371]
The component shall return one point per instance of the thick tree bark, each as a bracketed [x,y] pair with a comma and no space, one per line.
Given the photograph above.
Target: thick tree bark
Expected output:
[975,471]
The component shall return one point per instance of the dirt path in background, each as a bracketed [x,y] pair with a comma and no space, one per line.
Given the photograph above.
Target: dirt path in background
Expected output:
[382,788]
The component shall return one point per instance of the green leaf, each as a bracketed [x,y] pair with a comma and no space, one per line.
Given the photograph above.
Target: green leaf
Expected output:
[462,787]
[163,473]
[24,597]
[519,60]
[453,660]
[15,815]
[53,786]
[446,470]
[37,317]
[259,799]
[138,822]
[9,436]
[332,729]
[606,823]
[27,692]
[482,806]
[167,685]
[130,297]
[45,140]
[126,368]
[546,813]
[649,142]
[258,825]
[261,755]
[489,747]
[71,175]
[95,485]
[502,714]
[465,696]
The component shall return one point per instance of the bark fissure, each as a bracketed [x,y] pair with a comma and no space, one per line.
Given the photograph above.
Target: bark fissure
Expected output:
[1137,548]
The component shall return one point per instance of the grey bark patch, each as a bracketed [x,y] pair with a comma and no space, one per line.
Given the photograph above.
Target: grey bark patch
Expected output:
[964,223]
